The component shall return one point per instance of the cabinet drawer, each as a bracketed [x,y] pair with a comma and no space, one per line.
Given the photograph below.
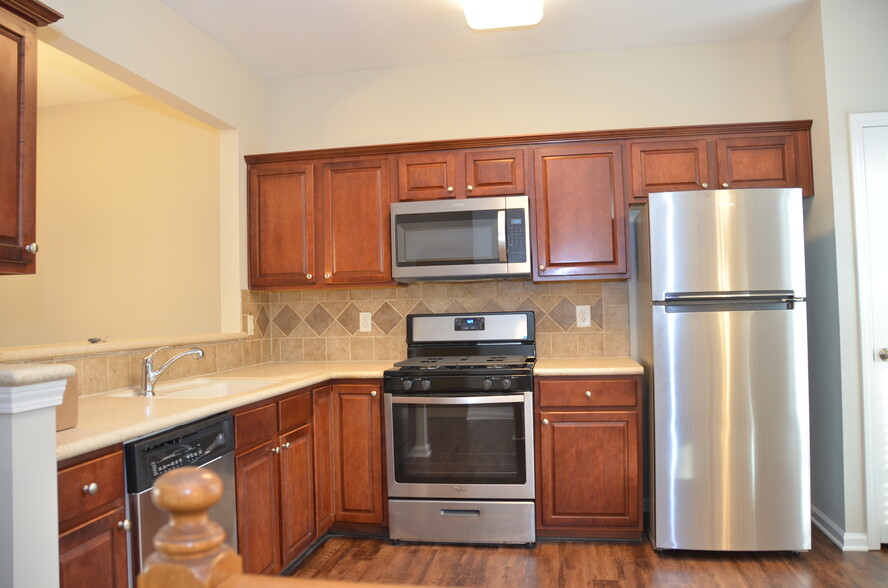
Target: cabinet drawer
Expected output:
[295,410]
[89,486]
[255,425]
[583,393]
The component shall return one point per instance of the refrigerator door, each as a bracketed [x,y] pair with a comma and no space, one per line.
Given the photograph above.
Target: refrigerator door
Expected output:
[730,429]
[726,241]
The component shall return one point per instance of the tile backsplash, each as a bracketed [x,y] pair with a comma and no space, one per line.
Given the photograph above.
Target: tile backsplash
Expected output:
[323,324]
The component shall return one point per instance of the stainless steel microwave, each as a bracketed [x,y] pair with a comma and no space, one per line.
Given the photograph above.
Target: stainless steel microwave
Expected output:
[466,239]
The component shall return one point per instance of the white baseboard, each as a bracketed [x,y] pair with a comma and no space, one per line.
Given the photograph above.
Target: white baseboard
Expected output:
[845,541]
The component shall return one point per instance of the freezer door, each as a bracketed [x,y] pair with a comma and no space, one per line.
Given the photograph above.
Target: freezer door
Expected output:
[726,241]
[730,430]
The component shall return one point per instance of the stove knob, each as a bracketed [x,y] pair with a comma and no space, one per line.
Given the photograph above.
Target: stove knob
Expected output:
[487,384]
[507,383]
[406,383]
[425,385]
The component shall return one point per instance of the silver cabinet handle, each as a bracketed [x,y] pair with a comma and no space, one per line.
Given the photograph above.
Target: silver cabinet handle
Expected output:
[32,248]
[450,188]
[587,394]
[545,421]
[704,185]
[724,185]
[124,525]
[286,445]
[883,353]
[469,187]
[327,275]
[275,449]
[91,489]
[373,393]
[308,276]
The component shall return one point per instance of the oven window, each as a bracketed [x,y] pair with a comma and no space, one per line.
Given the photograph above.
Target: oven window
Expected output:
[464,237]
[459,444]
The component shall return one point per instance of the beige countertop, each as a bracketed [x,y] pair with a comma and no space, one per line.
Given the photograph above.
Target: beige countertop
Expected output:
[105,419]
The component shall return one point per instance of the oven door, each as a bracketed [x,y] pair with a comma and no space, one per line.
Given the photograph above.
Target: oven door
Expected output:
[460,447]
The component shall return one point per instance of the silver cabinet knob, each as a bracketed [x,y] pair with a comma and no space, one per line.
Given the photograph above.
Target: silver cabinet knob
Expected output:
[469,187]
[724,185]
[32,248]
[450,188]
[91,489]
[327,275]
[286,445]
[704,185]
[545,421]
[275,449]
[587,394]
[124,525]
[542,267]
[373,393]
[308,276]
[883,353]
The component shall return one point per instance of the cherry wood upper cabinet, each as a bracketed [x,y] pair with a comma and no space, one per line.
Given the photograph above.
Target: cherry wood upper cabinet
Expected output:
[460,174]
[356,197]
[282,225]
[18,132]
[581,217]
[777,159]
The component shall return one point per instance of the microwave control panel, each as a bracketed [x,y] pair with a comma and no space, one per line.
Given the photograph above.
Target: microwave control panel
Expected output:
[516,231]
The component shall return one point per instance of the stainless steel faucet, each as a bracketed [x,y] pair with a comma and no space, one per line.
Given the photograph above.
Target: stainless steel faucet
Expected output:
[150,375]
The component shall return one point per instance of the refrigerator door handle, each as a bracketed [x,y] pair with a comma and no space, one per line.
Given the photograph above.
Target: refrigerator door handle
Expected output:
[730,295]
[729,305]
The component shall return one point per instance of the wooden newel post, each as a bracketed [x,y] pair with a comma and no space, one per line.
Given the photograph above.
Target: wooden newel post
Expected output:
[190,550]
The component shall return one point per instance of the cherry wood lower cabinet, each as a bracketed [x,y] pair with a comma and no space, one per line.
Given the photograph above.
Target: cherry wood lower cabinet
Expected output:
[588,457]
[322,398]
[357,448]
[93,529]
[581,214]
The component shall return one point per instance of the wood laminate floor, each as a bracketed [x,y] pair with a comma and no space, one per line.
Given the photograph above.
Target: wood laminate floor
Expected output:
[589,564]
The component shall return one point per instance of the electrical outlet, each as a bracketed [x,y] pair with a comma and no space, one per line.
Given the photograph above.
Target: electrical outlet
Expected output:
[365,324]
[584,316]
[251,324]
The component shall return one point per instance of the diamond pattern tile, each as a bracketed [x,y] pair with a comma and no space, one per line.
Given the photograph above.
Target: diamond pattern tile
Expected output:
[386,318]
[529,304]
[319,319]
[350,318]
[262,321]
[286,320]
[564,314]
[420,308]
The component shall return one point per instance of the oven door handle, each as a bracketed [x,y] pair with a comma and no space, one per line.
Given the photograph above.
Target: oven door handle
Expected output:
[463,400]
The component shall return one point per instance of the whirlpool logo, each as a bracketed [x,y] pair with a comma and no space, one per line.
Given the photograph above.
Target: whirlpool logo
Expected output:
[460,489]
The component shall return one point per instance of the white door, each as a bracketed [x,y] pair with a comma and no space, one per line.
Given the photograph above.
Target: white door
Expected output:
[870,160]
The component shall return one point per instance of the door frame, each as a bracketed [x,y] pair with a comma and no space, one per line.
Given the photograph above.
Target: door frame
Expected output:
[873,456]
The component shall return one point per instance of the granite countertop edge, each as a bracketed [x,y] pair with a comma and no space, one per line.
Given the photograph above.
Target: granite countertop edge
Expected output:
[105,420]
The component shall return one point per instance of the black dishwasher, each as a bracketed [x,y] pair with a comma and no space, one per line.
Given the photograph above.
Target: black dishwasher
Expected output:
[207,443]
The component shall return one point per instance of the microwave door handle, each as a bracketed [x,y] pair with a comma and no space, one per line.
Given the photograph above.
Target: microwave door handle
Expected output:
[501,234]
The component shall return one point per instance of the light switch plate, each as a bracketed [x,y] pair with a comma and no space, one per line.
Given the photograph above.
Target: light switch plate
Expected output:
[584,315]
[251,324]
[365,324]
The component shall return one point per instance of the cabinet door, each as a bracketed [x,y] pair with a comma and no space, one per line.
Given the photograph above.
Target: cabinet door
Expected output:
[18,139]
[668,166]
[282,225]
[494,173]
[757,162]
[258,520]
[356,199]
[358,453]
[427,176]
[581,220]
[94,554]
[589,469]
[323,458]
[297,493]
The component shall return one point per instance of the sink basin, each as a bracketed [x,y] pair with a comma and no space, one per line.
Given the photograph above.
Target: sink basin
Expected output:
[202,388]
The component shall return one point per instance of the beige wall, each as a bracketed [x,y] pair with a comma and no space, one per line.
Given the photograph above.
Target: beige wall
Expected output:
[127,219]
[693,84]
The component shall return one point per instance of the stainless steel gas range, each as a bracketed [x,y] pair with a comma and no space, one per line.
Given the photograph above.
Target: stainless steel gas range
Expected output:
[459,434]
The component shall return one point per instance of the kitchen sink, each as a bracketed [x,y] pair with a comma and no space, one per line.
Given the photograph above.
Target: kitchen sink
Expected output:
[202,388]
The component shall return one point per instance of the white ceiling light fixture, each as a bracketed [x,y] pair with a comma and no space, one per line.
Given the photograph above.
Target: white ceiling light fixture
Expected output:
[502,14]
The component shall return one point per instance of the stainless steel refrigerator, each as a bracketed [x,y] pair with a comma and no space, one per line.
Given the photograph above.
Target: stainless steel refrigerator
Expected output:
[722,335]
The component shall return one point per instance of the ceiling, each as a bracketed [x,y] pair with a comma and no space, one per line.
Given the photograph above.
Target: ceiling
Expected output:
[292,38]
